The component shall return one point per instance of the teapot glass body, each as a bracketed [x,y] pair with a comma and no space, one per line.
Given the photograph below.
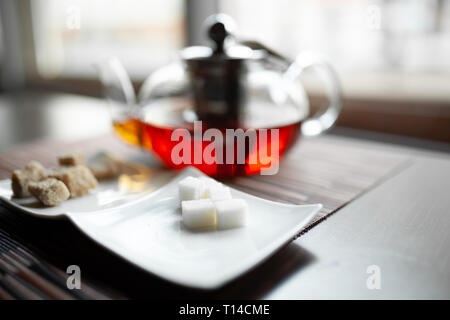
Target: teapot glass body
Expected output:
[271,114]
[228,110]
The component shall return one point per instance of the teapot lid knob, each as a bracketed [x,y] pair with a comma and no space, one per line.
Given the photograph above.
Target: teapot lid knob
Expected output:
[219,27]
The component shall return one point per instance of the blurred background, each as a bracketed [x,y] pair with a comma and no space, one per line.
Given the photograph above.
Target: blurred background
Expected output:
[393,56]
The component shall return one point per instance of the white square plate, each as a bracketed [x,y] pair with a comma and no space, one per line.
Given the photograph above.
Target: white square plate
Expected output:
[146,230]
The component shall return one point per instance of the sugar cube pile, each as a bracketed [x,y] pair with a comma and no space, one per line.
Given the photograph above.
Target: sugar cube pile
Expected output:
[206,203]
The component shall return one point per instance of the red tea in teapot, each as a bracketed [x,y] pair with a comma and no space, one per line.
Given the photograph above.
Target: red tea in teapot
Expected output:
[254,146]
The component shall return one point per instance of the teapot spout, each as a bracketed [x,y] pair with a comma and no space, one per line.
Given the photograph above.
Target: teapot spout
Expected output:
[116,83]
[119,92]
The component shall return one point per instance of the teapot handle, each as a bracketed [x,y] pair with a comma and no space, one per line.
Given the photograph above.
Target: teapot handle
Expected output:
[324,119]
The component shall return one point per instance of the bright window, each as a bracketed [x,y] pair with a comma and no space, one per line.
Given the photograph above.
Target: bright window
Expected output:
[381,48]
[71,35]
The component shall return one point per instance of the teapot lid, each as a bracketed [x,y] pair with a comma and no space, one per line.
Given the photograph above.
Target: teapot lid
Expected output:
[220,29]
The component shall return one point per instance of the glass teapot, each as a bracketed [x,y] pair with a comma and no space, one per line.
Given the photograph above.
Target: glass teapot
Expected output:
[230,109]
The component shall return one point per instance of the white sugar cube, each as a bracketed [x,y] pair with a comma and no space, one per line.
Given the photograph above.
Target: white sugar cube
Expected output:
[231,213]
[198,213]
[209,182]
[191,188]
[219,192]
[215,190]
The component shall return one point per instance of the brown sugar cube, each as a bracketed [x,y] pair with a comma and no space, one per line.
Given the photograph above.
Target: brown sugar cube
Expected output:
[34,171]
[71,159]
[78,179]
[104,166]
[50,192]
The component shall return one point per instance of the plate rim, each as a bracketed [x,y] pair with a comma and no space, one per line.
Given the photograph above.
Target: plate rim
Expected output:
[182,173]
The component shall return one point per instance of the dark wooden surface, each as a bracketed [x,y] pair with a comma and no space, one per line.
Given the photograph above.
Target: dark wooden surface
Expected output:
[316,170]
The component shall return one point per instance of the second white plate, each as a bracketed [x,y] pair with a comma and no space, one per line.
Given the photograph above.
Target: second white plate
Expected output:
[148,233]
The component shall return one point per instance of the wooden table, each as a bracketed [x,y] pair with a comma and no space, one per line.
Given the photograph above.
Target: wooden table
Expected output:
[386,206]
